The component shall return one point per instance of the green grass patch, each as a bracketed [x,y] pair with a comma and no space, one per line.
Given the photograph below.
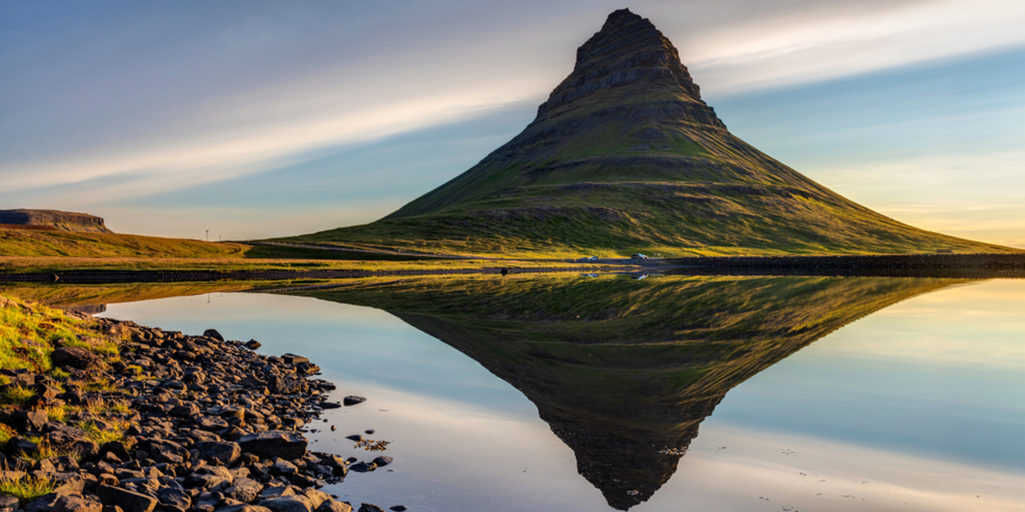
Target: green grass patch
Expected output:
[26,488]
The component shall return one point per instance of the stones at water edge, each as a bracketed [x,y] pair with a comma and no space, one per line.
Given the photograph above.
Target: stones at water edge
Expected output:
[202,437]
[370,507]
[212,333]
[353,400]
[274,443]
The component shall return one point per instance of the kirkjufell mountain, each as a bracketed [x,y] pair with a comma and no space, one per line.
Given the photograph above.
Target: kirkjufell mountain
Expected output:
[624,157]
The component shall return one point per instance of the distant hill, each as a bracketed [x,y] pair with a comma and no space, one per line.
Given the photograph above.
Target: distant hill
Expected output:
[53,219]
[626,157]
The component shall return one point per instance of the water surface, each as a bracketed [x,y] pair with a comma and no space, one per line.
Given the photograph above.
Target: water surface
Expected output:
[675,393]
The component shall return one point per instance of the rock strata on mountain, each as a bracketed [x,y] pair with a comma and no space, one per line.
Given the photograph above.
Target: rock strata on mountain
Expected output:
[54,219]
[625,156]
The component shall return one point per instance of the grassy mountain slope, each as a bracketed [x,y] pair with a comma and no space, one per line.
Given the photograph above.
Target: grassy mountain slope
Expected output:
[625,157]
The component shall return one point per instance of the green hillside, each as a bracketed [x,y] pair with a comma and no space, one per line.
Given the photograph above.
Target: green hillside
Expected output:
[626,157]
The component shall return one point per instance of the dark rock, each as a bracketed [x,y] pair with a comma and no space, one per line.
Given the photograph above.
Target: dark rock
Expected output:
[383,460]
[244,489]
[353,400]
[222,453]
[398,508]
[363,467]
[7,502]
[173,497]
[44,503]
[18,446]
[243,508]
[370,507]
[288,504]
[127,500]
[283,467]
[316,497]
[252,344]
[330,405]
[212,333]
[294,359]
[27,420]
[273,444]
[334,506]
[287,385]
[74,357]
[185,410]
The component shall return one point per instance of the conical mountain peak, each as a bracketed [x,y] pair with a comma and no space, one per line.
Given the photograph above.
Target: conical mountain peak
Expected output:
[628,53]
[625,157]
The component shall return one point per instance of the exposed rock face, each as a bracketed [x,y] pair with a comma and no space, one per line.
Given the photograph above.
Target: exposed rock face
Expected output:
[627,58]
[58,220]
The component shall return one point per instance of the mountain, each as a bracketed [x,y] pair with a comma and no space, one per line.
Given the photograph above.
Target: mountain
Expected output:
[624,371]
[626,157]
[55,220]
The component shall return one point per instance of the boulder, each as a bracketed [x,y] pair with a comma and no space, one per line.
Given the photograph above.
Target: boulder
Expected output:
[252,344]
[127,500]
[63,438]
[244,489]
[288,504]
[272,444]
[370,507]
[27,420]
[212,333]
[74,357]
[294,359]
[222,453]
[334,506]
[353,400]
[243,508]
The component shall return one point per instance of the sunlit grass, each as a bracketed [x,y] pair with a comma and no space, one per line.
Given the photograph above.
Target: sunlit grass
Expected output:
[26,488]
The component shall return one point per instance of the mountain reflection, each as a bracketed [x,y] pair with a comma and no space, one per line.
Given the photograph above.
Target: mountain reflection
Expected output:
[625,370]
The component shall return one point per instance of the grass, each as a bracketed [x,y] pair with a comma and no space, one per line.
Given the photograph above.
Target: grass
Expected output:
[6,433]
[15,395]
[28,335]
[113,430]
[27,487]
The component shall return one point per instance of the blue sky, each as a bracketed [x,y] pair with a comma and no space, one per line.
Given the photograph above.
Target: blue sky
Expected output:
[256,119]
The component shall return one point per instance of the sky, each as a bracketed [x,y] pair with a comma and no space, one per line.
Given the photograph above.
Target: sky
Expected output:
[255,119]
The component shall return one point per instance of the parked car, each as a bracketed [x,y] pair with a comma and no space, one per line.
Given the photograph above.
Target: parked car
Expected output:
[638,257]
[592,258]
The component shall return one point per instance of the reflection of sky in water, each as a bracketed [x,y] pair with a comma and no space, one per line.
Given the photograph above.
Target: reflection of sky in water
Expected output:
[939,375]
[917,407]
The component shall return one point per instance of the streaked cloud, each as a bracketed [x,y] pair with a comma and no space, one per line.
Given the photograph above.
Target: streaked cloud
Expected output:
[130,100]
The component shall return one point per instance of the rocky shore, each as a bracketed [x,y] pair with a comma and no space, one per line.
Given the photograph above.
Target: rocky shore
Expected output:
[173,423]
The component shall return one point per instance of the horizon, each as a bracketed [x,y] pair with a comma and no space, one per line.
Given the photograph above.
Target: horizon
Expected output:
[288,119]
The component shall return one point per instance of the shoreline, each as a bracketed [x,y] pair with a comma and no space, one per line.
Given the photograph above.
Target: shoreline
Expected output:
[209,426]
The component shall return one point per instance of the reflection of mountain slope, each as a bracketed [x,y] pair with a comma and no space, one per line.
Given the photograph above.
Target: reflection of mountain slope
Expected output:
[624,371]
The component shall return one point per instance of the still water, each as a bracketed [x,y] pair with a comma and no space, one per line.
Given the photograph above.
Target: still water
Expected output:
[675,393]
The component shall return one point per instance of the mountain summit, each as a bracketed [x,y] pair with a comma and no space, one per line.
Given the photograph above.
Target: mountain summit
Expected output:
[624,156]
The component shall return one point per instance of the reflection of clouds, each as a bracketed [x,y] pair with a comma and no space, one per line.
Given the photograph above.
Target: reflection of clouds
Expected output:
[942,329]
[811,474]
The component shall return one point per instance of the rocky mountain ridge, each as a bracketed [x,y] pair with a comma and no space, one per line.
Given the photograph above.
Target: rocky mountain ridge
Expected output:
[56,219]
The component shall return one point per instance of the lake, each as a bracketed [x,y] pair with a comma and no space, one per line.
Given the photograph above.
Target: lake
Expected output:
[578,393]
